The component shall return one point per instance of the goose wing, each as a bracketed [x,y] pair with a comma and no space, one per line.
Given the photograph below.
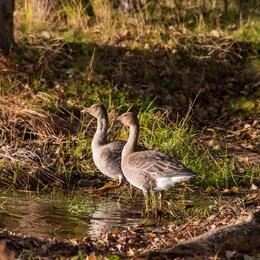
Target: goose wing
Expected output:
[114,150]
[159,165]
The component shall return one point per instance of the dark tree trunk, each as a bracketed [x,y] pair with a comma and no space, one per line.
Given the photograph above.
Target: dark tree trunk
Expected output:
[6,25]
[225,6]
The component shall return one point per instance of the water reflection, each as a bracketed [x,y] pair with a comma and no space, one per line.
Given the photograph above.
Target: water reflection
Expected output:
[109,215]
[64,217]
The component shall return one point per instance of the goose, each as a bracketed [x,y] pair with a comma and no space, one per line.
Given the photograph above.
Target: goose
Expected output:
[149,170]
[106,154]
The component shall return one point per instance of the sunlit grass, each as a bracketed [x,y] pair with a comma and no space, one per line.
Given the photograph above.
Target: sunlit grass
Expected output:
[138,31]
[72,152]
[249,32]
[76,15]
[245,107]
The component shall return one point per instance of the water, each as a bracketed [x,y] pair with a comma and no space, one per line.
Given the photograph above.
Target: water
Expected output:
[65,216]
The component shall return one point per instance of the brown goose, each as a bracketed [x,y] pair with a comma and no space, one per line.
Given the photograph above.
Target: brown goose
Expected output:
[149,170]
[106,155]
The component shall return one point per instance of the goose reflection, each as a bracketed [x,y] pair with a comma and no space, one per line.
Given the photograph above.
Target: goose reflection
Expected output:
[111,215]
[53,218]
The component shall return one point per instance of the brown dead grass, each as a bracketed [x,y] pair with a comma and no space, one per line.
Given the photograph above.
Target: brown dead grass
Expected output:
[20,120]
[26,129]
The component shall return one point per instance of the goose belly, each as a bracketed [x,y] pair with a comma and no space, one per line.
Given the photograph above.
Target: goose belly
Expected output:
[135,183]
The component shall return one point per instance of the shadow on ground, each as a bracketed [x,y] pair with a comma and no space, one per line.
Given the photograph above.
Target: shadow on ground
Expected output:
[213,70]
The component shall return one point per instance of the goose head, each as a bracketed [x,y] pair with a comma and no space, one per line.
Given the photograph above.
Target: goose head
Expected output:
[128,119]
[96,110]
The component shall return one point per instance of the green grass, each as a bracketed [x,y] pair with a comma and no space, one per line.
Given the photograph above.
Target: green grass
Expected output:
[177,139]
[253,174]
[78,42]
[245,107]
[250,33]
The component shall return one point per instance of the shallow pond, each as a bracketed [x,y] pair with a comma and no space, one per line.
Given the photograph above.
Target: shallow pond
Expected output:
[80,215]
[64,216]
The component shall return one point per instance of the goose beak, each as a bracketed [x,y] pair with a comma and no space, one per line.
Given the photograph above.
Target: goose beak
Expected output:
[85,110]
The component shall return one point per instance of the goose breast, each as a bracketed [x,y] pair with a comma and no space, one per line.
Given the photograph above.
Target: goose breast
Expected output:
[107,158]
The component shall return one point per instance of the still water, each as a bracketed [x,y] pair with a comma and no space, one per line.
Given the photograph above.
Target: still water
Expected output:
[65,216]
[79,215]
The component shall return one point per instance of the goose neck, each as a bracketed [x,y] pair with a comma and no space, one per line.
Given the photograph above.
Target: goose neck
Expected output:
[100,136]
[132,140]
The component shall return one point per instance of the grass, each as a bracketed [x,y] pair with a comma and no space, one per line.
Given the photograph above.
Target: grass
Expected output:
[182,212]
[76,14]
[72,152]
[143,61]
[245,107]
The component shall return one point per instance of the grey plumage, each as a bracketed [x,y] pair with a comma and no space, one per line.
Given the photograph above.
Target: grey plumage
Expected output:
[106,154]
[149,170]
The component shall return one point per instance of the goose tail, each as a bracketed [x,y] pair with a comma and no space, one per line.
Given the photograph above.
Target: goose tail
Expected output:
[165,183]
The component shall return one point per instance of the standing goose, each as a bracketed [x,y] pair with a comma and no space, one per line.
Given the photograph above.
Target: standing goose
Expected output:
[149,170]
[106,155]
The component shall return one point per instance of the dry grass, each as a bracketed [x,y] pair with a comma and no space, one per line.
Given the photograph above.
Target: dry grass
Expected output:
[21,120]
[26,130]
[24,169]
[76,16]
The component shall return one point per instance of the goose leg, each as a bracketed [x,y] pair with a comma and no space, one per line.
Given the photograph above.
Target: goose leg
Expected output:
[147,200]
[157,210]
[160,197]
[108,186]
[154,204]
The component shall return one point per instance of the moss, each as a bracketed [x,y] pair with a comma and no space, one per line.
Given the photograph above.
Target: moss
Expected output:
[244,108]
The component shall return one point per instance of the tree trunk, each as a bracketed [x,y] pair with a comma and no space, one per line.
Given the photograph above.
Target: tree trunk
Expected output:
[225,6]
[6,25]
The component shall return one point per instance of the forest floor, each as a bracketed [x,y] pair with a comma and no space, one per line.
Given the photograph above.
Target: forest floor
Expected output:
[197,93]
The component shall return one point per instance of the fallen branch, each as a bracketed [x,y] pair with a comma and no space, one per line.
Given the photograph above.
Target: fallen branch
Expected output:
[241,238]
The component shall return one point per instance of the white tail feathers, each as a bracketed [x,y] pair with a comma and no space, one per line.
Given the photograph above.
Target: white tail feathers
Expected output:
[167,182]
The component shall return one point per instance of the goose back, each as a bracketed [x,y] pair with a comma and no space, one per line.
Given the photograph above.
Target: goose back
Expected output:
[154,170]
